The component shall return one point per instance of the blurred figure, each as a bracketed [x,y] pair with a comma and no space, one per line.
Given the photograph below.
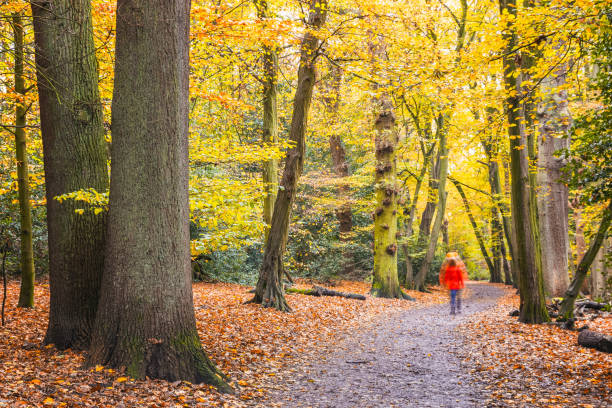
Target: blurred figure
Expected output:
[453,275]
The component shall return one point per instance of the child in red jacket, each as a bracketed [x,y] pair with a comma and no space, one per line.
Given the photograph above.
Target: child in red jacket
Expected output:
[452,276]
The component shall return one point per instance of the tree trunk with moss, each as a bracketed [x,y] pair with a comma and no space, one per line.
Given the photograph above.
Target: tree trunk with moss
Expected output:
[75,158]
[385,282]
[531,286]
[269,291]
[26,292]
[567,305]
[270,117]
[442,129]
[145,320]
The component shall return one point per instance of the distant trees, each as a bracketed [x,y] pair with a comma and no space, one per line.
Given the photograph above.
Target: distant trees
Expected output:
[75,158]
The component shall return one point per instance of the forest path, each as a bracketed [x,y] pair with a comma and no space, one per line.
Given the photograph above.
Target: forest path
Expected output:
[411,359]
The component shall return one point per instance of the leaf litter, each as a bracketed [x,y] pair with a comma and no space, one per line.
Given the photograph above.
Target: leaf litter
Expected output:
[252,345]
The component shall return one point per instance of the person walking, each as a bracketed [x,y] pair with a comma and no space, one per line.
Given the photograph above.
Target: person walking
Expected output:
[452,276]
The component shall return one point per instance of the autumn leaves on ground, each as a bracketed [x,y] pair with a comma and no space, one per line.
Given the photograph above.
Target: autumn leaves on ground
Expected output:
[516,364]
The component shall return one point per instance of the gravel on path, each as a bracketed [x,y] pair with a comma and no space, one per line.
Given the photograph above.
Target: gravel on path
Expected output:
[410,359]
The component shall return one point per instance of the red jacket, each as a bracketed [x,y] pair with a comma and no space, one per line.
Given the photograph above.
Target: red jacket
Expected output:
[452,278]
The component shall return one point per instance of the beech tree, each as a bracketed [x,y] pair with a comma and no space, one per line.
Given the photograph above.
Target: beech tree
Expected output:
[269,291]
[145,320]
[75,159]
[553,195]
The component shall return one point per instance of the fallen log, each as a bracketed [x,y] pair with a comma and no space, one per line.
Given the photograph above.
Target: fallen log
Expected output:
[593,339]
[321,291]
[590,304]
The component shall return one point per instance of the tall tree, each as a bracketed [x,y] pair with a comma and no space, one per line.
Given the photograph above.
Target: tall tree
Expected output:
[145,319]
[385,282]
[74,158]
[269,290]
[531,287]
[270,116]
[553,195]
[26,292]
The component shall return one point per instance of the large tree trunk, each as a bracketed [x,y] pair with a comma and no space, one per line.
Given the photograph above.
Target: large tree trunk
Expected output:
[533,302]
[442,128]
[269,290]
[75,158]
[553,195]
[146,321]
[567,305]
[26,292]
[339,164]
[270,118]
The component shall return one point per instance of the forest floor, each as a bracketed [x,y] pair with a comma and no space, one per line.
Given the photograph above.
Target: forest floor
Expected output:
[284,359]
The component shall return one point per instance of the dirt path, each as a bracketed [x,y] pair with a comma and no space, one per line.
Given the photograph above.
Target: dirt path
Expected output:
[408,360]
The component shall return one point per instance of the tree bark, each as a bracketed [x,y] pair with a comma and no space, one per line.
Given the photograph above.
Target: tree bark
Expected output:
[531,288]
[146,321]
[75,158]
[26,292]
[270,117]
[567,305]
[269,290]
[553,195]
[339,165]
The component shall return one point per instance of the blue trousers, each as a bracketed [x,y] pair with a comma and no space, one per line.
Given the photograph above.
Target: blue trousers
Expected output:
[455,301]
